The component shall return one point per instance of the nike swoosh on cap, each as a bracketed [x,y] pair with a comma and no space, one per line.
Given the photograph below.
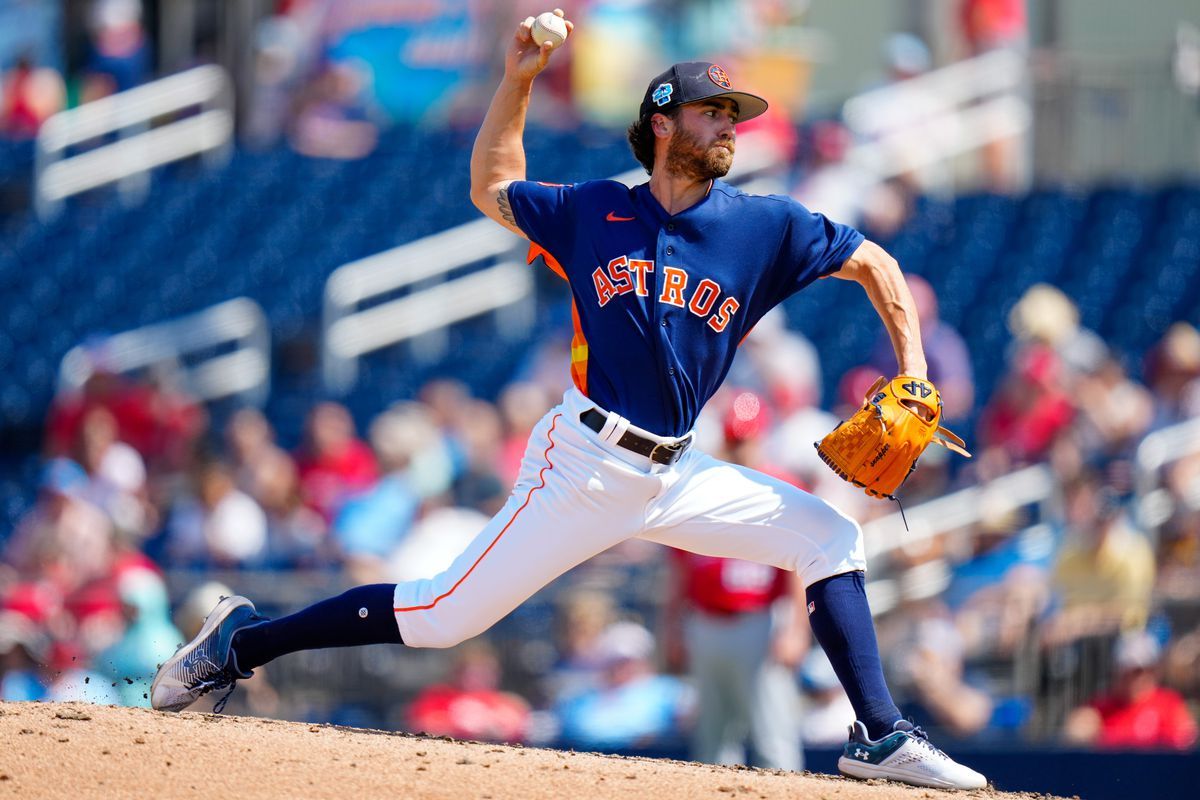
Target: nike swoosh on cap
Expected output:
[612,217]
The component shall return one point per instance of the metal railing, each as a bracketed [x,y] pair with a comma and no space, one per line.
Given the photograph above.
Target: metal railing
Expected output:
[1155,503]
[1031,485]
[351,332]
[957,511]
[139,146]
[931,119]
[230,343]
[362,313]
[1073,117]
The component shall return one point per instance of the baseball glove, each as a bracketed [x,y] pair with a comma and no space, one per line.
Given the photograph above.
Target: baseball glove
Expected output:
[878,447]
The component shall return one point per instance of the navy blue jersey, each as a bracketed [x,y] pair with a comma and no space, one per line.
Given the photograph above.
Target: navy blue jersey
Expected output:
[662,302]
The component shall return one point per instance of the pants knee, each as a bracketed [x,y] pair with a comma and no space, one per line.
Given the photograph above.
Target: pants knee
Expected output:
[439,642]
[442,632]
[846,542]
[842,549]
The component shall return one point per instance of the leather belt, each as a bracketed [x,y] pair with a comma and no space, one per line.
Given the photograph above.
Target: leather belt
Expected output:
[655,451]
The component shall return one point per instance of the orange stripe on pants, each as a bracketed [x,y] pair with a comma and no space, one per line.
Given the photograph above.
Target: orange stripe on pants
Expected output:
[517,513]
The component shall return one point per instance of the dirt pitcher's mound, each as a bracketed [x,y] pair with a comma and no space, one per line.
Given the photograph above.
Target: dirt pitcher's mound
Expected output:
[75,751]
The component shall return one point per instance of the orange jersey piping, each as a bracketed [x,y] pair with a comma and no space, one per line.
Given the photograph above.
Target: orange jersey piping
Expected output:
[579,345]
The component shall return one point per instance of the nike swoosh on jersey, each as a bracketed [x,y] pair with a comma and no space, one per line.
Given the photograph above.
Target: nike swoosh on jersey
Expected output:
[612,217]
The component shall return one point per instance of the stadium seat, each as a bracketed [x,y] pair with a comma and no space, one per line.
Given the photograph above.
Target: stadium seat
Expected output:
[273,225]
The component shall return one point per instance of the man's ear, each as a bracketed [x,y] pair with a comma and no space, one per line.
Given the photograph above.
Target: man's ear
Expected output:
[662,125]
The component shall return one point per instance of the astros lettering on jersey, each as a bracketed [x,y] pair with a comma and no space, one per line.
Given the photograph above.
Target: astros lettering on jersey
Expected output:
[662,302]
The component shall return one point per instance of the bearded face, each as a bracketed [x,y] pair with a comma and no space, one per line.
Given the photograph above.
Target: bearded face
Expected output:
[688,157]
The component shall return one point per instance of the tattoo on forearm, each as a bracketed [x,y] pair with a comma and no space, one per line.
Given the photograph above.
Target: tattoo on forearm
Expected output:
[505,208]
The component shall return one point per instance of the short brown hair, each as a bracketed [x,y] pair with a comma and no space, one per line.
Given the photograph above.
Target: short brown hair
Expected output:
[641,139]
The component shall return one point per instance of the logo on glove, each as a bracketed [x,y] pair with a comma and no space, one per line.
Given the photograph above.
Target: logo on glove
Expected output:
[877,448]
[879,456]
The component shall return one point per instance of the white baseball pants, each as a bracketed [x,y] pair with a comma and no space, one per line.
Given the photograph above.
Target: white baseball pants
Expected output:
[579,494]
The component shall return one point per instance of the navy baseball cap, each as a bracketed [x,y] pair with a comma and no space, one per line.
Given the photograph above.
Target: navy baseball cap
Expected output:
[691,81]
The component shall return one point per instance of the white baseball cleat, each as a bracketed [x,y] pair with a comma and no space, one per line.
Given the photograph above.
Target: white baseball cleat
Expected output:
[905,755]
[204,664]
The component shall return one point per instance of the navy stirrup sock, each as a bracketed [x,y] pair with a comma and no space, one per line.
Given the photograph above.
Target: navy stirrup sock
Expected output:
[841,621]
[362,615]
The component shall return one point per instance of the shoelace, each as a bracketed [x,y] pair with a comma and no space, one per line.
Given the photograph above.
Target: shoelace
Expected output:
[223,679]
[923,738]
[219,706]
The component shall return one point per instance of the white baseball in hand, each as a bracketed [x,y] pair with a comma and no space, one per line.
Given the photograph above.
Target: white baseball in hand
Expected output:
[549,27]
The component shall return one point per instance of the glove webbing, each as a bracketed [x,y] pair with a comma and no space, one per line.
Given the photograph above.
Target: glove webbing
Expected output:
[837,470]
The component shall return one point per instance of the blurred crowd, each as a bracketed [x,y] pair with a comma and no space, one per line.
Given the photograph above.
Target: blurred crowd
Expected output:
[116,56]
[1077,618]
[326,77]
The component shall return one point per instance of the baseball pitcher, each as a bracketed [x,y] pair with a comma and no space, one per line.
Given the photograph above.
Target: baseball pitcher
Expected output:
[666,279]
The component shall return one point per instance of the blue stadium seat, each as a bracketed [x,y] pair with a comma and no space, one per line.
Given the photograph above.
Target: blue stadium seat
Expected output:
[273,225]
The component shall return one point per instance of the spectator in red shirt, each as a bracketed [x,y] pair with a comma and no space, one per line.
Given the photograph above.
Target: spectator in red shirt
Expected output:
[1031,408]
[988,26]
[746,426]
[333,462]
[1137,712]
[159,421]
[28,96]
[742,640]
[63,539]
[471,705]
[991,24]
[130,404]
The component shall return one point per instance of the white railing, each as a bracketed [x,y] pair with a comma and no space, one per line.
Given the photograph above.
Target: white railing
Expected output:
[933,118]
[1155,503]
[953,512]
[139,147]
[958,510]
[1035,484]
[351,332]
[359,317]
[236,327]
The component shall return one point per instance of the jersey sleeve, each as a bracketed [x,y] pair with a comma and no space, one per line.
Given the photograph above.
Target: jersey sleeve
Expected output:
[545,212]
[813,246]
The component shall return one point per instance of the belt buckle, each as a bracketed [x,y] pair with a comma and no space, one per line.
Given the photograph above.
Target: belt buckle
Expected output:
[675,450]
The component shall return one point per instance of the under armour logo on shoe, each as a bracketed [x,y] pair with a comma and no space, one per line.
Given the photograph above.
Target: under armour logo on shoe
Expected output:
[863,754]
